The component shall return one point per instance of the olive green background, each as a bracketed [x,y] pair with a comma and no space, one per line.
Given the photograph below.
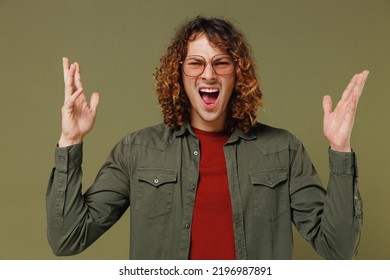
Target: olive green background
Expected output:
[304,50]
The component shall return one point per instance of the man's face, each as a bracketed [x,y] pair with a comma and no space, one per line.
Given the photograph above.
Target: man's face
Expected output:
[208,93]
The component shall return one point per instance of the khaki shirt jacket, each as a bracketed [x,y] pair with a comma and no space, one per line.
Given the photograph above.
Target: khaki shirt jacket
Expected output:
[155,172]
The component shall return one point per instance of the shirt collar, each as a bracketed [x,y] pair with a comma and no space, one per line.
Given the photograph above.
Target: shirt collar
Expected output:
[238,133]
[182,130]
[234,137]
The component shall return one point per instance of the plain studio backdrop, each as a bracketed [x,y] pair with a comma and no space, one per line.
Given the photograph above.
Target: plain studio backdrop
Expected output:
[304,49]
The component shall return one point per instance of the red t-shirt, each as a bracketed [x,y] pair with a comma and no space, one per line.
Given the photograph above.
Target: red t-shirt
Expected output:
[212,235]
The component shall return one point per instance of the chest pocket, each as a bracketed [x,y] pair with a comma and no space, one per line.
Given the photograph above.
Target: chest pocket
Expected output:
[155,191]
[270,193]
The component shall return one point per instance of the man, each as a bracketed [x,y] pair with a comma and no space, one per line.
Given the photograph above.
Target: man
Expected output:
[210,182]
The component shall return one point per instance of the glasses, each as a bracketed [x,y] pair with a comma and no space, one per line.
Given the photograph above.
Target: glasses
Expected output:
[194,65]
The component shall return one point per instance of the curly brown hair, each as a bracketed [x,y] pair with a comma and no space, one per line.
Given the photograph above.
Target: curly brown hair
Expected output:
[247,96]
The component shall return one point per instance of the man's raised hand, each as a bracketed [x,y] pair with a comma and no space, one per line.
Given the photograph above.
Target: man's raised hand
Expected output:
[78,117]
[338,124]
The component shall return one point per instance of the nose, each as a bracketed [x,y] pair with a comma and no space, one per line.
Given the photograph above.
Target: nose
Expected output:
[208,73]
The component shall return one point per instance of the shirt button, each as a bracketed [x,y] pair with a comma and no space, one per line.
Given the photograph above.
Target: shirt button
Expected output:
[192,187]
[196,153]
[156,181]
[62,158]
[270,181]
[187,226]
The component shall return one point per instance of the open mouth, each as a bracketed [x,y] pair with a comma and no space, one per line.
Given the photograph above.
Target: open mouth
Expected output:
[209,96]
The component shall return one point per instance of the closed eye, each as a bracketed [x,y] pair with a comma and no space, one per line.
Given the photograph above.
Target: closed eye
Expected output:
[195,63]
[222,63]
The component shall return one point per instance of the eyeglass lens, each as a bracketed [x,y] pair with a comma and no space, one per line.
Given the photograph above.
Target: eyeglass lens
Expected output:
[194,65]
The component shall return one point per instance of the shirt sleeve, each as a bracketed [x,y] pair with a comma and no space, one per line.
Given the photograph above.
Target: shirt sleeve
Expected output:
[75,220]
[329,219]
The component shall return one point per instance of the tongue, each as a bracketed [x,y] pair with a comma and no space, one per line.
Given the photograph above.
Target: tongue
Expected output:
[209,98]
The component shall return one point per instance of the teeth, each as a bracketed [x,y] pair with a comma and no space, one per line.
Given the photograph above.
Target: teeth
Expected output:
[208,90]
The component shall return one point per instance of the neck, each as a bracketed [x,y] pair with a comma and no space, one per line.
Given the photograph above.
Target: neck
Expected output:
[200,132]
[218,125]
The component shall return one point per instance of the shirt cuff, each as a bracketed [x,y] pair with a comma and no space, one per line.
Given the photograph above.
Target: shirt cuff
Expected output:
[342,162]
[67,158]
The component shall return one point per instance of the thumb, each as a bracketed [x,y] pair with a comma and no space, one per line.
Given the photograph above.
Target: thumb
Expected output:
[95,98]
[327,104]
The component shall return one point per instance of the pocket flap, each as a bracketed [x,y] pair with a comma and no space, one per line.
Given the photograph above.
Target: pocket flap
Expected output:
[269,178]
[157,176]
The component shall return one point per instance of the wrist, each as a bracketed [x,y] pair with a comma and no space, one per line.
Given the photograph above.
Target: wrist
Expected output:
[66,141]
[342,149]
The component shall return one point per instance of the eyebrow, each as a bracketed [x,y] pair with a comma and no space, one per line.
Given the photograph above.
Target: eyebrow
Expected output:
[192,55]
